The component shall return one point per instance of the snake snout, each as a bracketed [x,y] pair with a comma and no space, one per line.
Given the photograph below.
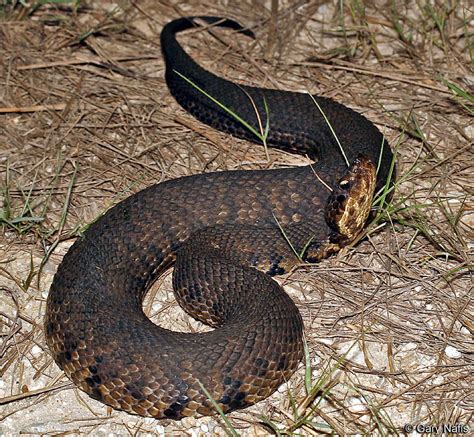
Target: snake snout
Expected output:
[349,204]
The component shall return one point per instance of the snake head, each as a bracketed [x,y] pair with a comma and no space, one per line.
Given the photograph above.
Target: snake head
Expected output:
[349,204]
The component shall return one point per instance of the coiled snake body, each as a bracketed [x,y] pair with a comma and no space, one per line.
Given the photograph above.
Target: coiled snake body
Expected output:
[217,228]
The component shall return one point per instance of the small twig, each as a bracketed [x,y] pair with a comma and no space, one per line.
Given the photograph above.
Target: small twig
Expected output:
[28,394]
[34,108]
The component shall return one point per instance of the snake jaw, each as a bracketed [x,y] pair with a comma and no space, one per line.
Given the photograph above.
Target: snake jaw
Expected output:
[348,206]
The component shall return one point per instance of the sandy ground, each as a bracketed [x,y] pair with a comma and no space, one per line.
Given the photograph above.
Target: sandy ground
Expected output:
[86,120]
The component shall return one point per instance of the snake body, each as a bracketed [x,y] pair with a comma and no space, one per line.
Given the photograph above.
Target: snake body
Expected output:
[226,233]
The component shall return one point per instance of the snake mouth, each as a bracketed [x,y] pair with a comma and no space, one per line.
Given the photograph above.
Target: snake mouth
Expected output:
[348,206]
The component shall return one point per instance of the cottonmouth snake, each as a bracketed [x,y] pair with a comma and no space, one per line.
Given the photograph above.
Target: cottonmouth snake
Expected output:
[216,228]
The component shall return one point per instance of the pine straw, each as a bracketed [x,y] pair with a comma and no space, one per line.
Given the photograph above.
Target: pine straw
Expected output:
[87,120]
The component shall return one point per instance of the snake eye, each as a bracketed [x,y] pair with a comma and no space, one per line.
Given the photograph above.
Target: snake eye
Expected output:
[345,185]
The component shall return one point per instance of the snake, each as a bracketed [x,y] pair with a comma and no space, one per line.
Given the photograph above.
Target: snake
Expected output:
[226,234]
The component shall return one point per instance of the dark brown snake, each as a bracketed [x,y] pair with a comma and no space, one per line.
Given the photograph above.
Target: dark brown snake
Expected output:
[216,228]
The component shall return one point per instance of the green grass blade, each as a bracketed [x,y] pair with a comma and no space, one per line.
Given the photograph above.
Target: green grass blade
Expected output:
[225,108]
[307,367]
[230,430]
[286,238]
[331,128]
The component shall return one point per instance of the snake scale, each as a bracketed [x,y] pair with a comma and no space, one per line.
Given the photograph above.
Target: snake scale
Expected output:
[227,233]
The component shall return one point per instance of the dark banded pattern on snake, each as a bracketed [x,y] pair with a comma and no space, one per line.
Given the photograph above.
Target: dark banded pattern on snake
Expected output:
[217,228]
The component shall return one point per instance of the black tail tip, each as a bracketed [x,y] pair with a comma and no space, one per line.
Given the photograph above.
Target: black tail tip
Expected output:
[193,21]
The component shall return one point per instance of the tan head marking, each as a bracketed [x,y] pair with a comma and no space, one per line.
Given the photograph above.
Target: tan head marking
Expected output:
[349,204]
